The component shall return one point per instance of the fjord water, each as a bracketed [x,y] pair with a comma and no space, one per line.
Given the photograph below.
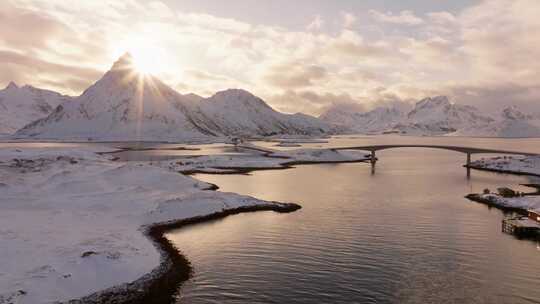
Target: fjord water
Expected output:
[402,235]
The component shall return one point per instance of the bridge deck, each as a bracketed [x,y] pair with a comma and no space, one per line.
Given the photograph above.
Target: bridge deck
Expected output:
[466,150]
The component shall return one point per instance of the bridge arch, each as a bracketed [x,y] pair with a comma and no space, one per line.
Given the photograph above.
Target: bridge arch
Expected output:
[466,150]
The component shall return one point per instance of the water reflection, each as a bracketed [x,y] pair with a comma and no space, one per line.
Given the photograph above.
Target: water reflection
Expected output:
[158,153]
[403,235]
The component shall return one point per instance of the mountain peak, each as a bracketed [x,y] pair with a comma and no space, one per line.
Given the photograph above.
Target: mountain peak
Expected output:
[239,97]
[124,62]
[12,85]
[236,93]
[343,107]
[433,101]
[513,113]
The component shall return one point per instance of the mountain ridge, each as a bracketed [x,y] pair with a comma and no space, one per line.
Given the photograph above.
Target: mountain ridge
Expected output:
[20,105]
[126,105]
[437,116]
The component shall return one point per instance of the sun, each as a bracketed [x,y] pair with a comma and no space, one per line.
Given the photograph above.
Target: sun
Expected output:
[146,57]
[147,60]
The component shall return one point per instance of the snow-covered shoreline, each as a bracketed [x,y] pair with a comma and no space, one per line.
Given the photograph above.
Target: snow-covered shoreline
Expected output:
[76,225]
[520,165]
[264,160]
[517,204]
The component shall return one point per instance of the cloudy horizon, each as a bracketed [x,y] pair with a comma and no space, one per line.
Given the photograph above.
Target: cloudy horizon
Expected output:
[299,57]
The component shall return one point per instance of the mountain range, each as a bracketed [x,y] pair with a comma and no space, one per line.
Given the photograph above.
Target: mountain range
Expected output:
[435,116]
[21,105]
[125,105]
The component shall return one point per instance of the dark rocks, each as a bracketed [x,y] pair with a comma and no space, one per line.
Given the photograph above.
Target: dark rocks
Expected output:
[71,160]
[88,253]
[507,192]
[161,285]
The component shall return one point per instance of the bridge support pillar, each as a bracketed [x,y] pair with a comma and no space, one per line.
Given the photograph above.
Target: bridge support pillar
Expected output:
[468,165]
[373,161]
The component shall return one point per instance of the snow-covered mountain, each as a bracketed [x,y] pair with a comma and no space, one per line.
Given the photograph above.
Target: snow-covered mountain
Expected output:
[350,117]
[22,105]
[122,105]
[430,116]
[512,123]
[125,105]
[437,116]
[238,112]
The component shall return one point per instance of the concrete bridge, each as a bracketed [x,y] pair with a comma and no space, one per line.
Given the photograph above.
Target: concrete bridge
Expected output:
[466,150]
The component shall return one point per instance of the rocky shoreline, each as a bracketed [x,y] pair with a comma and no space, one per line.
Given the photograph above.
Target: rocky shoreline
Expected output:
[122,211]
[509,201]
[501,171]
[479,198]
[160,286]
[247,170]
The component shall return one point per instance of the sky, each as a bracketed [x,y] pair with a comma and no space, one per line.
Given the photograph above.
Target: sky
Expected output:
[299,56]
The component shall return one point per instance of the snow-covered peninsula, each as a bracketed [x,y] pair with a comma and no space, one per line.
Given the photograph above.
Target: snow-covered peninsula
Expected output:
[526,165]
[521,165]
[75,224]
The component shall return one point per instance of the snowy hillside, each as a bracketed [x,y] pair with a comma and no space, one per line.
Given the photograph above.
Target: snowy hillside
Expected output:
[22,105]
[125,105]
[512,123]
[430,116]
[374,121]
[437,116]
[122,105]
[238,112]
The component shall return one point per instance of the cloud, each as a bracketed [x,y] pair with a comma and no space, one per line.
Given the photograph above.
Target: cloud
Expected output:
[31,70]
[204,76]
[444,18]
[204,83]
[316,103]
[307,101]
[210,22]
[494,98]
[502,40]
[405,17]
[26,29]
[316,24]
[295,75]
[349,19]
[486,54]
[350,45]
[344,106]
